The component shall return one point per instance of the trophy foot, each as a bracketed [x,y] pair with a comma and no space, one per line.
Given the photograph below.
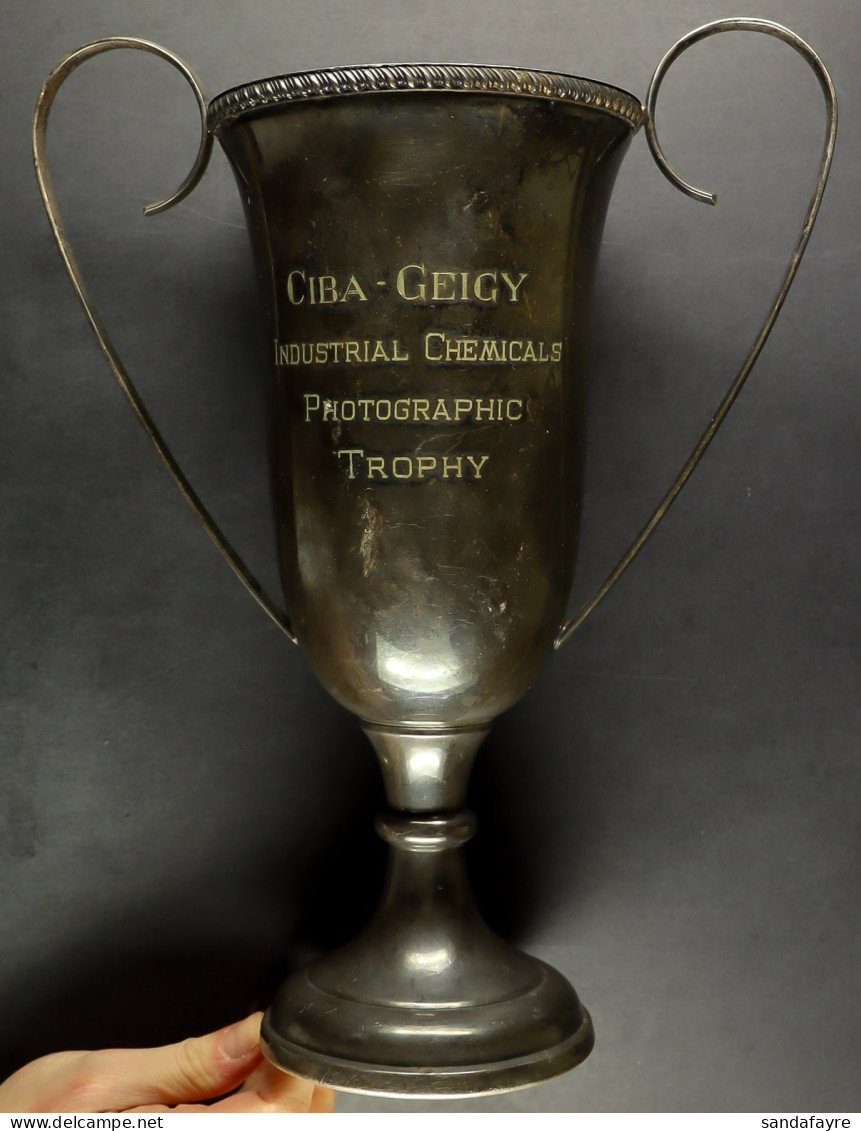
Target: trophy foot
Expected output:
[427,1001]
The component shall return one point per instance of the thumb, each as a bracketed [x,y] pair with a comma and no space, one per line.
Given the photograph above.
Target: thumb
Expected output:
[198,1068]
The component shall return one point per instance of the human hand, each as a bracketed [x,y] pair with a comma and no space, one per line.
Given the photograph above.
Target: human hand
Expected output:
[172,1078]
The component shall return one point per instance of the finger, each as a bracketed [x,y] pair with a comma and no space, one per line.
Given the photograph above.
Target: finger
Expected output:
[43,1085]
[287,1103]
[196,1069]
[323,1100]
[274,1092]
[151,1109]
[286,1100]
[239,1103]
[268,1078]
[281,1090]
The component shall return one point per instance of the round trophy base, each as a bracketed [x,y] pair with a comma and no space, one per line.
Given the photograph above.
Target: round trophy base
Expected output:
[410,1050]
[427,1000]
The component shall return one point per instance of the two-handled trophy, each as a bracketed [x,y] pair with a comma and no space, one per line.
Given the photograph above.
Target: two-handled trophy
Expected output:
[426,240]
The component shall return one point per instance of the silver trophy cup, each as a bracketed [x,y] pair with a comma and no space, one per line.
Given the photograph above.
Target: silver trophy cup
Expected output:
[425,239]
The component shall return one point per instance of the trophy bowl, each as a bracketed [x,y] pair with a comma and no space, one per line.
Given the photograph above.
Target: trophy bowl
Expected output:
[425,239]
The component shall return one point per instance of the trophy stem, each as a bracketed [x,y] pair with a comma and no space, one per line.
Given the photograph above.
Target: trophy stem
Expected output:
[426,771]
[427,1000]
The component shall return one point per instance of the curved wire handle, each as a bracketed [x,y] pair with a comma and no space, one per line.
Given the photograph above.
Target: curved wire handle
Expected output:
[40,124]
[804,49]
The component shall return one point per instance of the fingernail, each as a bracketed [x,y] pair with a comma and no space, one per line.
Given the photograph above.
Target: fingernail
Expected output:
[241,1039]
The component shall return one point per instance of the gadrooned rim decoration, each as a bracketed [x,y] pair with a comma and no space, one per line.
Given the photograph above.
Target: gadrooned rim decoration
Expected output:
[309,85]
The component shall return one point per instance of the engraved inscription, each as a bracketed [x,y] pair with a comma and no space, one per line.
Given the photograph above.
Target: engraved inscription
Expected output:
[456,349]
[413,410]
[416,283]
[344,351]
[419,285]
[412,465]
[322,290]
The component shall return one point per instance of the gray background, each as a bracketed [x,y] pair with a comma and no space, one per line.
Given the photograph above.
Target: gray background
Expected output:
[670,816]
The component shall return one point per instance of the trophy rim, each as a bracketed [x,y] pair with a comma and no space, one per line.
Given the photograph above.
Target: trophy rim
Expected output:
[408,78]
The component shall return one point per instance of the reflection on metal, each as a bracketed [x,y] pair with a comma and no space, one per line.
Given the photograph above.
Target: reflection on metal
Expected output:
[426,238]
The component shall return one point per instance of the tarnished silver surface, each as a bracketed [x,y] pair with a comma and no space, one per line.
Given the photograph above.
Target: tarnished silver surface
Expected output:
[426,259]
[425,771]
[427,1001]
[425,239]
[422,76]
